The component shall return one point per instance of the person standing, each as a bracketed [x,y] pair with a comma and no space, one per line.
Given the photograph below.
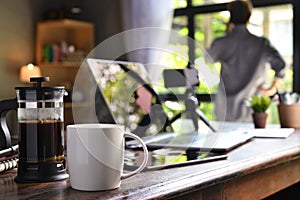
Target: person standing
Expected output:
[243,57]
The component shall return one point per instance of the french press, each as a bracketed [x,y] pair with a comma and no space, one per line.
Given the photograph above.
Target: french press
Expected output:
[41,132]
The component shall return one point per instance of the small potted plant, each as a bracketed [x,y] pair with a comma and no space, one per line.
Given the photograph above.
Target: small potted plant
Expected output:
[260,105]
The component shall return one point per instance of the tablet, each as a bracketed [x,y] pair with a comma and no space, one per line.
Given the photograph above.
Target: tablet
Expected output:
[213,142]
[167,158]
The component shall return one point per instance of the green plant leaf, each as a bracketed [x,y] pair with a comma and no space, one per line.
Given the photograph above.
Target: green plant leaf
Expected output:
[260,103]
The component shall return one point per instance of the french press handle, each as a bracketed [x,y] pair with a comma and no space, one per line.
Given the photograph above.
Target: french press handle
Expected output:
[5,106]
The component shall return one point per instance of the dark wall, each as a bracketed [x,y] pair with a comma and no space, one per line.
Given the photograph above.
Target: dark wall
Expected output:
[104,14]
[17,33]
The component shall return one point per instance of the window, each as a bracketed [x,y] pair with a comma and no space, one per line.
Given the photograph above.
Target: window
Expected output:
[205,20]
[273,22]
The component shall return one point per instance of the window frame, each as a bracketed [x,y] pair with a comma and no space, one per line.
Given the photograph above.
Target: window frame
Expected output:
[190,11]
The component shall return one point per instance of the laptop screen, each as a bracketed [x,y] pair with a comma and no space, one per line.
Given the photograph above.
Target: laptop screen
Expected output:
[125,96]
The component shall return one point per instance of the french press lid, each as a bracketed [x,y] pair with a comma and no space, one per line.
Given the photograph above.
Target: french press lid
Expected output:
[39,92]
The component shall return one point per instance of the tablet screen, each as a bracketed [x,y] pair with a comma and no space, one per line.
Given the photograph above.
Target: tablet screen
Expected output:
[166,158]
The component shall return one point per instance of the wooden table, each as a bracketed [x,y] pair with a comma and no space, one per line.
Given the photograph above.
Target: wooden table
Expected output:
[254,170]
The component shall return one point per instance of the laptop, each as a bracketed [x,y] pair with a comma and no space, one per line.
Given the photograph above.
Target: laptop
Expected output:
[125,96]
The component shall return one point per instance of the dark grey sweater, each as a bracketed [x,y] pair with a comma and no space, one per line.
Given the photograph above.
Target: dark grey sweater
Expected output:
[243,57]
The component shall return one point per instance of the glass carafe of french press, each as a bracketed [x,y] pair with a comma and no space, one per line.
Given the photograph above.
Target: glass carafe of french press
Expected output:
[41,133]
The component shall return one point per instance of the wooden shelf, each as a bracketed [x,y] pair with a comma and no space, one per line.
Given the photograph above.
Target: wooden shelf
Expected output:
[66,23]
[54,40]
[77,33]
[60,64]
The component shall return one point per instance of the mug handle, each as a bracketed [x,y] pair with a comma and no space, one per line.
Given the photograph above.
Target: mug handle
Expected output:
[144,163]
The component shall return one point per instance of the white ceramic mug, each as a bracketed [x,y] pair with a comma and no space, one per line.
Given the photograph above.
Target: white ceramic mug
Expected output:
[95,155]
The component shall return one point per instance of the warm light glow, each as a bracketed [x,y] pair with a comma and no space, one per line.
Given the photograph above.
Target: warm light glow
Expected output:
[28,71]
[30,66]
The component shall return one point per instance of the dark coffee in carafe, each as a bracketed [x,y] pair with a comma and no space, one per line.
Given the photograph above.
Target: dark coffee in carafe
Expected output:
[42,141]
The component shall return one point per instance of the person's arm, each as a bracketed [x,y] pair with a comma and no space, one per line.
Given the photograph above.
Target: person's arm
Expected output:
[278,65]
[270,91]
